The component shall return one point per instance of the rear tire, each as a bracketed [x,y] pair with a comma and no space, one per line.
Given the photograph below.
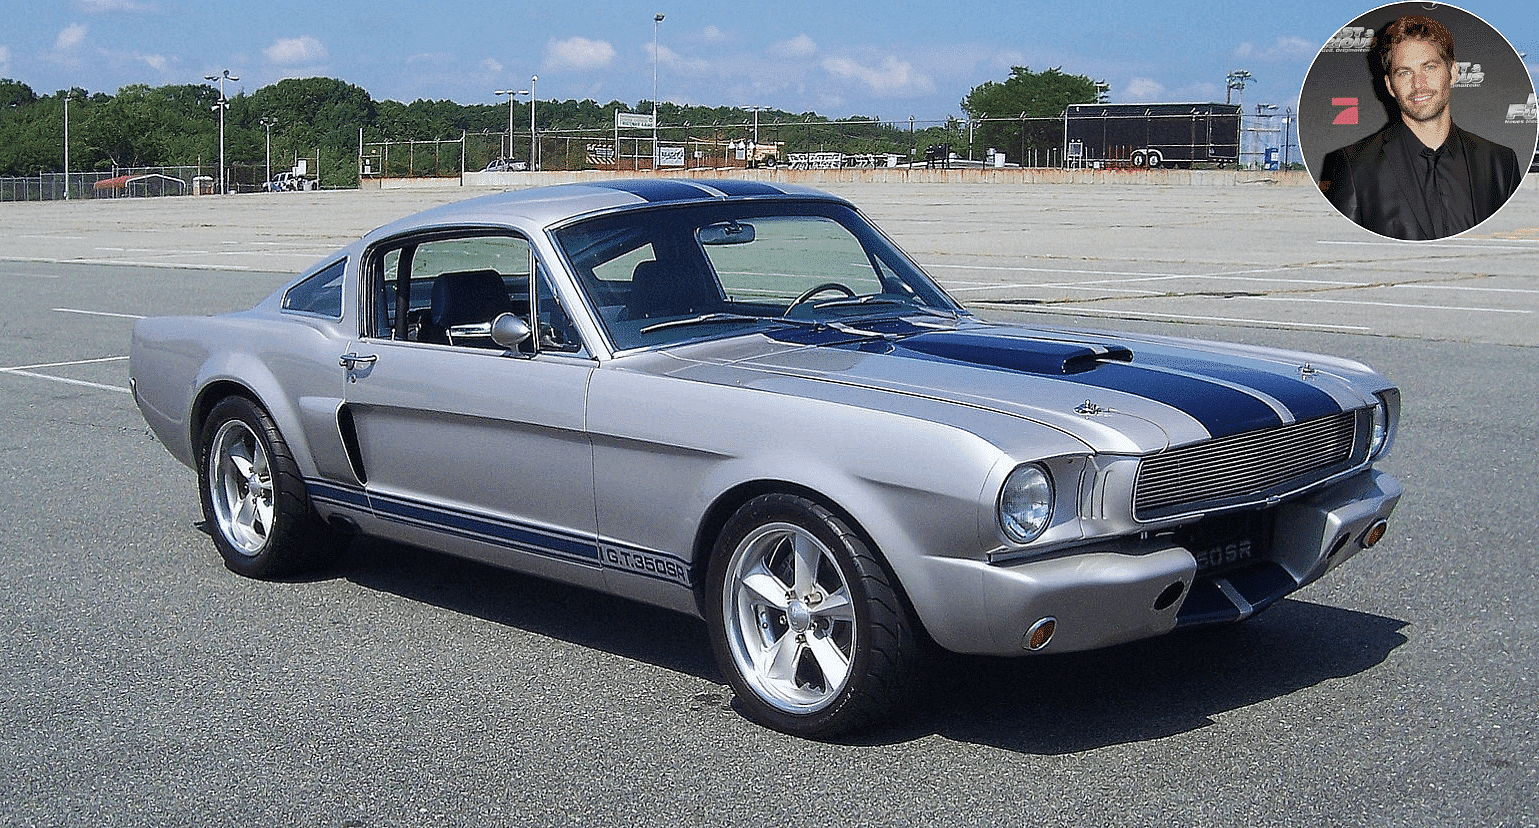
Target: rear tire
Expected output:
[805,621]
[254,498]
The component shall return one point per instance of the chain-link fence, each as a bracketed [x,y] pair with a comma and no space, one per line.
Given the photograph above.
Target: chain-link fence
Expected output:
[1014,142]
[121,182]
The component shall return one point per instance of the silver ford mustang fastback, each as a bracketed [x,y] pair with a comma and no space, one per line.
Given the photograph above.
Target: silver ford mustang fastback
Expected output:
[740,400]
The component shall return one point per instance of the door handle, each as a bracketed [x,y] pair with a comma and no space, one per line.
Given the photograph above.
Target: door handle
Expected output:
[351,361]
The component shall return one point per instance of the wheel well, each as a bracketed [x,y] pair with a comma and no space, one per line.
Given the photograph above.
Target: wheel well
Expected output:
[733,499]
[210,397]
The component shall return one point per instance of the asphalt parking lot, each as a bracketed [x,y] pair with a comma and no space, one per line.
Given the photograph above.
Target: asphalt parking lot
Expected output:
[147,685]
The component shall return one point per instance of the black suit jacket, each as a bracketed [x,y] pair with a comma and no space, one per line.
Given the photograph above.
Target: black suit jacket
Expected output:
[1371,185]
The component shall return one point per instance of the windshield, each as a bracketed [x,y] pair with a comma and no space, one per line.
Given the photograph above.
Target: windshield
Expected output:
[668,275]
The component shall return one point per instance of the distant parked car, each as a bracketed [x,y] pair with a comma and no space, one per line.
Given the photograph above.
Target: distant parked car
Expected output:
[740,400]
[288,182]
[506,165]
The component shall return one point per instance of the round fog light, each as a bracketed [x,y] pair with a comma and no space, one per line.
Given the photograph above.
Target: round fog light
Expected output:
[1041,633]
[1375,533]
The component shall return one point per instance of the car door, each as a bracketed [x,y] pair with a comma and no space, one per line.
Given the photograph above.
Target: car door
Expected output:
[464,445]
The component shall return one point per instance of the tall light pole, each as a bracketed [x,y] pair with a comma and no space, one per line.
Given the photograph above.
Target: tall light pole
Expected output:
[268,123]
[224,103]
[756,125]
[67,96]
[656,19]
[534,141]
[1236,82]
[512,93]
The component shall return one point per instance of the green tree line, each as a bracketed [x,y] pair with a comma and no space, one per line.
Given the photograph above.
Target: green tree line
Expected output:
[177,125]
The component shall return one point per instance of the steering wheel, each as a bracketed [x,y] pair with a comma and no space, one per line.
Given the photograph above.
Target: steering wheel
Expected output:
[815,290]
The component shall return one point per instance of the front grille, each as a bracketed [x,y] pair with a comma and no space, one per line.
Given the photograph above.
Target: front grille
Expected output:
[1243,467]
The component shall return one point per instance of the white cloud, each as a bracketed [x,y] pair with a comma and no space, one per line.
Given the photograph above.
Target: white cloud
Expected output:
[578,53]
[678,64]
[491,67]
[1143,89]
[296,51]
[1284,47]
[799,46]
[72,35]
[5,60]
[713,34]
[159,63]
[109,6]
[892,78]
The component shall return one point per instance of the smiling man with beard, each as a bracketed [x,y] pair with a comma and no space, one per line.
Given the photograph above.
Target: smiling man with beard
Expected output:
[1421,177]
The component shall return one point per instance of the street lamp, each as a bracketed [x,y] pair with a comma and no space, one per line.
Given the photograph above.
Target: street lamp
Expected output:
[1287,134]
[224,103]
[67,96]
[1236,82]
[755,151]
[511,95]
[268,123]
[656,19]
[534,142]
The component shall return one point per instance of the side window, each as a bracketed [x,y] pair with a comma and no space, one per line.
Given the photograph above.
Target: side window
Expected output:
[320,294]
[447,291]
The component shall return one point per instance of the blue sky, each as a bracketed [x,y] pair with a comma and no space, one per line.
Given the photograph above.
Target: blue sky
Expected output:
[837,59]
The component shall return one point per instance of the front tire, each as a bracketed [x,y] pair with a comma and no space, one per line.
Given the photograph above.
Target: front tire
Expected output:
[805,621]
[254,499]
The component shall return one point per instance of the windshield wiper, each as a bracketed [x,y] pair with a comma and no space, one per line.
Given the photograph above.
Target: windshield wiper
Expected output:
[722,316]
[704,319]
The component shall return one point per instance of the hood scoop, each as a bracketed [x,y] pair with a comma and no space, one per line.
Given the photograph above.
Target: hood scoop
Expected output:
[1036,356]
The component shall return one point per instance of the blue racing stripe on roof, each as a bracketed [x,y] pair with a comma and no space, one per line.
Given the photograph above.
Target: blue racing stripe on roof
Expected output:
[658,189]
[733,187]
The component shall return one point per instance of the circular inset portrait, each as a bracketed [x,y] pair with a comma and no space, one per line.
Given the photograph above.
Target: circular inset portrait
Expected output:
[1418,121]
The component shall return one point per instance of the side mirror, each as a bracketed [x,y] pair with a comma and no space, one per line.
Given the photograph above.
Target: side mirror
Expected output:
[509,331]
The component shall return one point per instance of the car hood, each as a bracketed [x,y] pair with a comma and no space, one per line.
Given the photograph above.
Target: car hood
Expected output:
[1116,393]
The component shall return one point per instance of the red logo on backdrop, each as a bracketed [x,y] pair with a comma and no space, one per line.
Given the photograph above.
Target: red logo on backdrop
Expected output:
[1348,114]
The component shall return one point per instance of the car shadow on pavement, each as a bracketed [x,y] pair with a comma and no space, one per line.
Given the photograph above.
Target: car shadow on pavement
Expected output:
[1146,689]
[549,608]
[1046,705]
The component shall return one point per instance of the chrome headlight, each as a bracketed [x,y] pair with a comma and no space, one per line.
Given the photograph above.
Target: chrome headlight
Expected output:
[1026,503]
[1379,431]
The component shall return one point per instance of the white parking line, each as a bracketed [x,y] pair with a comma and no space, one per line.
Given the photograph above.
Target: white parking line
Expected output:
[28,371]
[1058,286]
[1386,304]
[64,364]
[98,313]
[21,372]
[1471,289]
[1473,244]
[1271,323]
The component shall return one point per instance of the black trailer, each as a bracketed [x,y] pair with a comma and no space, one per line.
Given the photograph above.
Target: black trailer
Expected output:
[1152,135]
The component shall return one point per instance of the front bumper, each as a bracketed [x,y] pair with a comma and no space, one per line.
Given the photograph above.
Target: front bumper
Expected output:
[1119,590]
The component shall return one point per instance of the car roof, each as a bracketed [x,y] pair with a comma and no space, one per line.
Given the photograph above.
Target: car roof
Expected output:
[544,206]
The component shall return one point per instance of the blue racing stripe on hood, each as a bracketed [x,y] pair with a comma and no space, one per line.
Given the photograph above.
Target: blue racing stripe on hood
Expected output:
[1212,393]
[1222,410]
[1305,401]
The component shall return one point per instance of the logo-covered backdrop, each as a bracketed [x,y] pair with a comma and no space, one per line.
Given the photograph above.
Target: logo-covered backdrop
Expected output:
[1344,98]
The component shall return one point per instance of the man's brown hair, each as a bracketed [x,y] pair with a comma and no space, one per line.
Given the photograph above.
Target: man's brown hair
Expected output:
[1413,27]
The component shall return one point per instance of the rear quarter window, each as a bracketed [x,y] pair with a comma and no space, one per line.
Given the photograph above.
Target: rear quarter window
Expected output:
[320,294]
